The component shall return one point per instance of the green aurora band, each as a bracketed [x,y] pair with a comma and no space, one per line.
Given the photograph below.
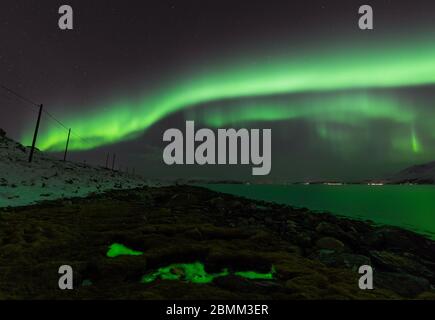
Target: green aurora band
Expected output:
[375,66]
[356,109]
[340,108]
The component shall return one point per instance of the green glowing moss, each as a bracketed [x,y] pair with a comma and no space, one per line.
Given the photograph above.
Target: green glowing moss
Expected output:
[324,69]
[195,273]
[117,249]
[191,272]
[256,275]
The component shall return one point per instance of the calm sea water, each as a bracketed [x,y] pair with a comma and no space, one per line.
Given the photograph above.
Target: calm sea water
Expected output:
[407,206]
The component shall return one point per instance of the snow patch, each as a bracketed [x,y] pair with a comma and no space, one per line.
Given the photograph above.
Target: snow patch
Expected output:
[47,178]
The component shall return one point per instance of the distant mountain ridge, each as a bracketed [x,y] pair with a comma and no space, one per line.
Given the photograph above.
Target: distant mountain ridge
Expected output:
[419,174]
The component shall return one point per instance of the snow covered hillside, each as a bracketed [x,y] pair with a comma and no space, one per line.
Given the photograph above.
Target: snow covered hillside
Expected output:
[46,178]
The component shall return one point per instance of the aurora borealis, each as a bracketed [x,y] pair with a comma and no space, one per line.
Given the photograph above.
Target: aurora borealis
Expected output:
[328,90]
[338,71]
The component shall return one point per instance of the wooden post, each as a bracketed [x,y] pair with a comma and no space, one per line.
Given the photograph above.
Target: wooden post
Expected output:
[35,135]
[107,160]
[67,143]
[113,161]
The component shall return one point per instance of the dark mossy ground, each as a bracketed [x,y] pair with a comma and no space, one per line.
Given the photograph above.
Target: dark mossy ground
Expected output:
[316,256]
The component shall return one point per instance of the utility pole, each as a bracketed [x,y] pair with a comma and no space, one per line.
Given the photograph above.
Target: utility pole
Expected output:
[67,143]
[113,161]
[36,133]
[107,160]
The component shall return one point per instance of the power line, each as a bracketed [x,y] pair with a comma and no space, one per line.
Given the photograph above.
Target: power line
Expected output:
[16,94]
[6,97]
[83,139]
[64,126]
[50,115]
[19,96]
[55,119]
[13,102]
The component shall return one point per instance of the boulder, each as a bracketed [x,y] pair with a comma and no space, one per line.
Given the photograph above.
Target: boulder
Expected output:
[330,243]
[397,263]
[334,259]
[404,284]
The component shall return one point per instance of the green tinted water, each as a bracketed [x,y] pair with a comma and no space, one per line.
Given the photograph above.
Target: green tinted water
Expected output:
[407,206]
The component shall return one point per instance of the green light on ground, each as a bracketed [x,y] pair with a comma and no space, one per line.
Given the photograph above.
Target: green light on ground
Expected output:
[195,273]
[256,275]
[117,249]
[191,272]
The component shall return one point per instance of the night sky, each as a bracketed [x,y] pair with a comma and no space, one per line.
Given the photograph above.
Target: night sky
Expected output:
[342,103]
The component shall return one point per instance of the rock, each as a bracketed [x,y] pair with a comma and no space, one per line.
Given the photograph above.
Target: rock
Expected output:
[396,239]
[218,202]
[350,236]
[426,296]
[328,229]
[234,283]
[67,203]
[334,259]
[392,262]
[291,224]
[330,243]
[301,239]
[258,207]
[307,286]
[194,233]
[403,284]
[238,284]
[269,220]
[235,204]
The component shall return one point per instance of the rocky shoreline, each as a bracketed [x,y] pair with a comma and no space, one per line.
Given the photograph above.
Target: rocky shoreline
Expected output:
[314,255]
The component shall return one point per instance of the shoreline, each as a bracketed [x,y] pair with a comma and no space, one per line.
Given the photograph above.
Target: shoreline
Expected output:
[314,255]
[373,204]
